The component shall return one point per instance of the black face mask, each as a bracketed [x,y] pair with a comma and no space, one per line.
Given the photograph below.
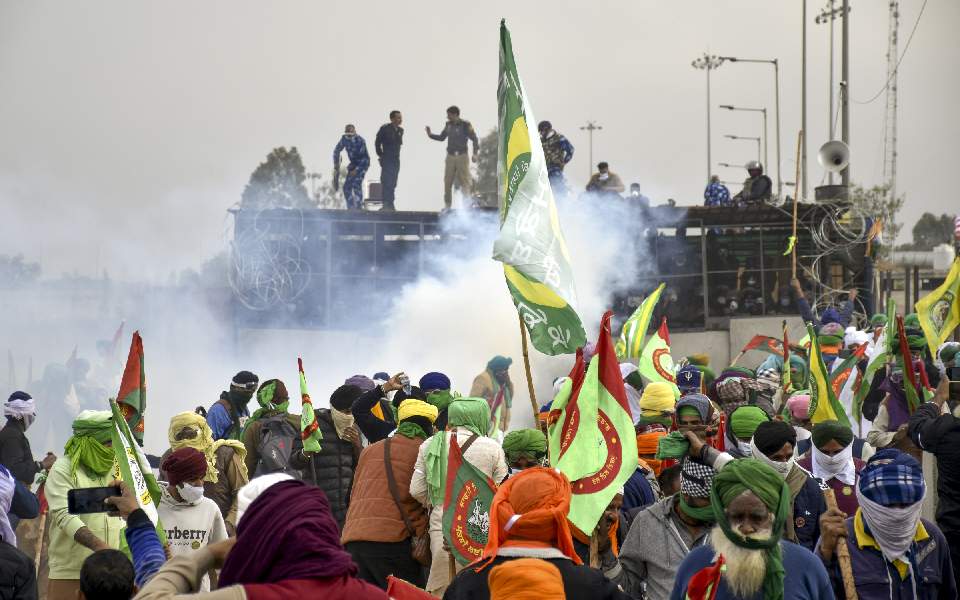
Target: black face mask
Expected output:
[239,399]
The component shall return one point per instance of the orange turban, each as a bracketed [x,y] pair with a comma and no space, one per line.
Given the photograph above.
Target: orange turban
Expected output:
[530,510]
[647,446]
[526,579]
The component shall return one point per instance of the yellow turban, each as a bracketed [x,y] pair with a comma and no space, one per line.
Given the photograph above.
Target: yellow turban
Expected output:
[657,398]
[202,441]
[417,408]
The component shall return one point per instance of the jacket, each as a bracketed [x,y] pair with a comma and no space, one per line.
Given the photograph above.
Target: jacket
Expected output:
[15,453]
[24,505]
[333,466]
[388,141]
[372,427]
[804,575]
[220,417]
[579,581]
[190,526]
[373,515]
[181,577]
[66,555]
[846,312]
[655,546]
[845,494]
[878,579]
[939,434]
[146,552]
[18,579]
[808,505]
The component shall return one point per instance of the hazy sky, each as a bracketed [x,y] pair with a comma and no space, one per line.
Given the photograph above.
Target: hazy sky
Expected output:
[128,128]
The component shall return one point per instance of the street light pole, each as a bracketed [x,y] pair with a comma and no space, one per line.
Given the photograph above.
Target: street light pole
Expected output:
[845,86]
[803,103]
[830,13]
[747,138]
[776,90]
[590,127]
[763,111]
[707,62]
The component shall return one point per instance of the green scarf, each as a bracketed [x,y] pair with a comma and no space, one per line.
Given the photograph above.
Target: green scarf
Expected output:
[441,399]
[507,398]
[750,474]
[411,430]
[673,445]
[472,414]
[91,430]
[665,420]
[704,514]
[267,398]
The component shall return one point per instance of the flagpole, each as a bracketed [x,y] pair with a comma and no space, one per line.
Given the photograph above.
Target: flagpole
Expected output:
[526,367]
[796,188]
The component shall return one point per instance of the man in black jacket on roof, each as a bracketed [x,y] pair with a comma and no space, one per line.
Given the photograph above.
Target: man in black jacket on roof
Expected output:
[15,452]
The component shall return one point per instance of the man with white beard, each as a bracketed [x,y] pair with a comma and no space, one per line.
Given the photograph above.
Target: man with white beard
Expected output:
[746,557]
[894,553]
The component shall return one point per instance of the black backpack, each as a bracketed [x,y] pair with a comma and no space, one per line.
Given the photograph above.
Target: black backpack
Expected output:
[277,438]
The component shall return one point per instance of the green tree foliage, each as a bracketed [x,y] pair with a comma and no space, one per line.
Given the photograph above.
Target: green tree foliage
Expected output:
[15,271]
[877,203]
[278,182]
[931,231]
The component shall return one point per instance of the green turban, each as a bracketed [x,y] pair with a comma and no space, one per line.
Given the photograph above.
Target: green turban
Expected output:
[469,413]
[911,321]
[878,320]
[749,474]
[91,430]
[745,420]
[272,397]
[825,431]
[530,443]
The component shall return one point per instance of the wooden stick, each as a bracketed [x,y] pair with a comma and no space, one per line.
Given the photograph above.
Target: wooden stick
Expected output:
[594,551]
[452,566]
[526,367]
[843,553]
[737,358]
[40,538]
[796,194]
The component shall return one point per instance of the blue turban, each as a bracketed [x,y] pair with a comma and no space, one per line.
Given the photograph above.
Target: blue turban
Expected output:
[689,378]
[499,363]
[892,477]
[830,315]
[434,381]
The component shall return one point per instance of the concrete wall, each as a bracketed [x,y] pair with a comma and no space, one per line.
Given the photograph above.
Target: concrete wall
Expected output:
[742,329]
[715,344]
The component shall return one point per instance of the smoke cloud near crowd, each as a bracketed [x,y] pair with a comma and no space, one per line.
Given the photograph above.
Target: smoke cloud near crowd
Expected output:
[453,318]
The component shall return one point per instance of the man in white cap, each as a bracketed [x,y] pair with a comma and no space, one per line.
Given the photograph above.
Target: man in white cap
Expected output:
[20,411]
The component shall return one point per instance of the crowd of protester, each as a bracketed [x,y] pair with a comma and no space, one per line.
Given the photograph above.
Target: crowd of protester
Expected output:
[733,495]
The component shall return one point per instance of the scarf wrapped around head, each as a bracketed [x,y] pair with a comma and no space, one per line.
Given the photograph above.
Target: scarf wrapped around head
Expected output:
[526,579]
[91,430]
[890,494]
[529,443]
[697,403]
[657,403]
[202,439]
[647,444]
[472,414]
[186,464]
[745,420]
[7,486]
[22,407]
[253,488]
[749,474]
[530,510]
[736,389]
[272,398]
[696,479]
[287,533]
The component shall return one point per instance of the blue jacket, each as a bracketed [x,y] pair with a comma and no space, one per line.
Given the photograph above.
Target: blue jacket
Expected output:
[805,578]
[845,313]
[877,579]
[807,508]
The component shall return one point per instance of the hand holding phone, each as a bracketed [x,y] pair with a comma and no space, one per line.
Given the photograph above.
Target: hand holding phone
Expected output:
[91,500]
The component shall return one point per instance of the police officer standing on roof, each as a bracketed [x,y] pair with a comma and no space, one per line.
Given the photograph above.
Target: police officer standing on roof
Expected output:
[387,144]
[457,132]
[756,189]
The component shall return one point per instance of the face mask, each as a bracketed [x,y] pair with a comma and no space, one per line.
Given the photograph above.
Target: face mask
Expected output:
[341,421]
[892,528]
[782,468]
[349,135]
[604,176]
[190,493]
[839,465]
[28,421]
[802,434]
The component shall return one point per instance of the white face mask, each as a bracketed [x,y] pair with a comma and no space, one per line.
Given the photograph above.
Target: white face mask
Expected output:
[604,176]
[341,421]
[802,434]
[782,468]
[745,448]
[839,465]
[893,528]
[190,493]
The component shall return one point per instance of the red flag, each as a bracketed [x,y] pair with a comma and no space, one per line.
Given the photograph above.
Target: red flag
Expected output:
[398,589]
[132,397]
[116,338]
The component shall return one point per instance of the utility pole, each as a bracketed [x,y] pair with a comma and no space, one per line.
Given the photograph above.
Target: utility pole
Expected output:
[830,14]
[890,126]
[590,127]
[708,62]
[845,86]
[803,103]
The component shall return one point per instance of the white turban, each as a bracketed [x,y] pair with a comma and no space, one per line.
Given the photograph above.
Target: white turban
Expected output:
[22,408]
[256,486]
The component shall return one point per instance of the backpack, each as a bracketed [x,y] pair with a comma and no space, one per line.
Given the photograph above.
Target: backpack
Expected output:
[277,437]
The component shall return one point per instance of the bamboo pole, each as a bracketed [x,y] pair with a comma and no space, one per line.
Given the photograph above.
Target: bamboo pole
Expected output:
[594,551]
[40,538]
[796,194]
[843,553]
[526,367]
[452,567]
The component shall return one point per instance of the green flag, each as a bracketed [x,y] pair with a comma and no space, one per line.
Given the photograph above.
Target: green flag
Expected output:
[635,328]
[535,259]
[132,396]
[824,405]
[617,440]
[309,428]
[939,311]
[135,470]
[656,364]
[877,360]
[466,506]
[572,432]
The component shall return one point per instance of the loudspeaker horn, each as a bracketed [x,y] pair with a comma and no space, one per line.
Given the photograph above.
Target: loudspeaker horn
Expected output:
[834,156]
